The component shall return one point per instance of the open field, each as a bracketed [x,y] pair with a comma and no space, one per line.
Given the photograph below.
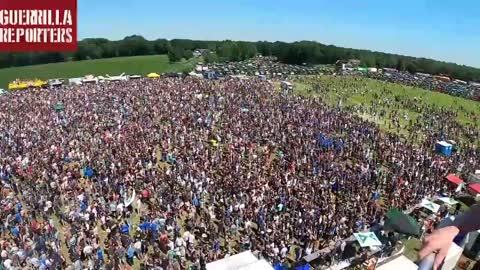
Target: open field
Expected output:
[112,66]
[381,102]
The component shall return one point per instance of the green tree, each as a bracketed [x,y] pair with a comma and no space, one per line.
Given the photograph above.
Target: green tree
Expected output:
[174,54]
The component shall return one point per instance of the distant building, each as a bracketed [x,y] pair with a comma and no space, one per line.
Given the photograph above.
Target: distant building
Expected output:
[460,82]
[442,78]
[345,64]
[419,74]
[389,70]
[200,52]
[474,84]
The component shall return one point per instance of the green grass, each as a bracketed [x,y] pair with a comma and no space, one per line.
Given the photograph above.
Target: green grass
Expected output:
[412,247]
[141,65]
[369,93]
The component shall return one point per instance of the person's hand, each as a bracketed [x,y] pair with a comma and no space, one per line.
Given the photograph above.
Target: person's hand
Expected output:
[439,241]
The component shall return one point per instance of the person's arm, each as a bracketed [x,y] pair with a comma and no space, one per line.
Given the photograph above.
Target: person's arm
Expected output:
[468,221]
[441,239]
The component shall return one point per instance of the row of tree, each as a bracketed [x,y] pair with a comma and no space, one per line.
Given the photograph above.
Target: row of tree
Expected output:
[293,53]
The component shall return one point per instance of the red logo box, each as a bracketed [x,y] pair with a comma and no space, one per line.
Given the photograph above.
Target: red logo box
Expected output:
[38,25]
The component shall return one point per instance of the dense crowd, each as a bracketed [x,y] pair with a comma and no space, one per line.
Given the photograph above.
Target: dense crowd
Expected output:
[258,66]
[429,82]
[174,173]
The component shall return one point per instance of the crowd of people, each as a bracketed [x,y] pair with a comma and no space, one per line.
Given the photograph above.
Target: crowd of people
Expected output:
[173,173]
[429,82]
[267,66]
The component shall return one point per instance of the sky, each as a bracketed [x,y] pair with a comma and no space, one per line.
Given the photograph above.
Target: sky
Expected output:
[444,30]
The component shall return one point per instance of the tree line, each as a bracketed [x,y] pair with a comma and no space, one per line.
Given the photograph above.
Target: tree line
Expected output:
[291,53]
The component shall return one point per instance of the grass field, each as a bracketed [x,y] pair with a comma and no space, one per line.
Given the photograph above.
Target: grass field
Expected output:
[141,65]
[410,103]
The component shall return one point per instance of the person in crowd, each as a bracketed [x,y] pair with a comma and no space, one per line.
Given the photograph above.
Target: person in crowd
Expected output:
[174,173]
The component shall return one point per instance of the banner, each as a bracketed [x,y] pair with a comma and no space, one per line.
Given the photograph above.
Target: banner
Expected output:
[46,25]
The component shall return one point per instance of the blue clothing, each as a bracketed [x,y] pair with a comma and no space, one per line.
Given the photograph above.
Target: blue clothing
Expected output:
[130,252]
[100,254]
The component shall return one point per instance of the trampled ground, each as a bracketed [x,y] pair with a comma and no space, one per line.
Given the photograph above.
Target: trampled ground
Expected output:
[140,65]
[368,97]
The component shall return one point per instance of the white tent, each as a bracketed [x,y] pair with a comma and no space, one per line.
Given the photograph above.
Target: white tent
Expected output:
[90,79]
[242,261]
[120,77]
[75,81]
[430,205]
[194,74]
[448,200]
[258,265]
[55,82]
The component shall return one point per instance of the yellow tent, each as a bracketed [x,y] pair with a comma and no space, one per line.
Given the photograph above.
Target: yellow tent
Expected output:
[15,86]
[12,86]
[39,83]
[153,75]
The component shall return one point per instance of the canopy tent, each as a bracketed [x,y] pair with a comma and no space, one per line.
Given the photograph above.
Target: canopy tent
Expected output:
[454,179]
[17,85]
[75,81]
[430,205]
[55,82]
[402,223]
[153,75]
[448,201]
[39,83]
[475,187]
[90,79]
[368,239]
[120,77]
[258,265]
[242,261]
